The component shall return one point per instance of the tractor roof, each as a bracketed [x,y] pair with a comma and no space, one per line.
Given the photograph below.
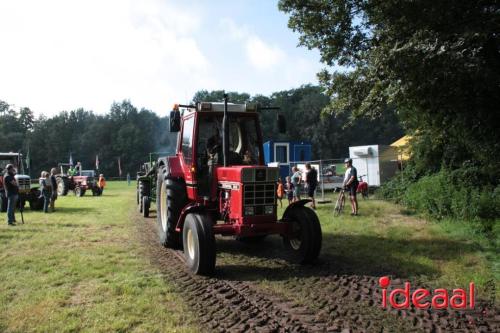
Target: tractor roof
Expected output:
[11,154]
[218,107]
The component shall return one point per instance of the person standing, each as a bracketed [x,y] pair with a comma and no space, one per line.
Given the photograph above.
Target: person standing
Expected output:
[128,178]
[53,185]
[46,190]
[102,183]
[280,191]
[11,192]
[297,183]
[289,189]
[351,184]
[311,183]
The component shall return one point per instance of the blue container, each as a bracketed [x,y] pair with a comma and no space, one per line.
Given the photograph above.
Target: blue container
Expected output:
[286,152]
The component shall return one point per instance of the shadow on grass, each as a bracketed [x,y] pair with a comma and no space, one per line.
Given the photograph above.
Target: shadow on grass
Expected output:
[341,254]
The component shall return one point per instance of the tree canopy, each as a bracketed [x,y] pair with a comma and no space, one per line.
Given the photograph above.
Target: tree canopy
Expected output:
[130,134]
[437,63]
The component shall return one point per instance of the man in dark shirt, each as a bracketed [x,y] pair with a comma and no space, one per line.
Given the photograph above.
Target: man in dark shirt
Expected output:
[312,183]
[351,184]
[11,192]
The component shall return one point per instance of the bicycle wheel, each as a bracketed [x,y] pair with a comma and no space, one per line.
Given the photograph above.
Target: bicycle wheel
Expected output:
[339,205]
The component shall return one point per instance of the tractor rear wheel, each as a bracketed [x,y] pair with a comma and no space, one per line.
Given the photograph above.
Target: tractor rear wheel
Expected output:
[62,186]
[304,239]
[137,195]
[199,243]
[171,198]
[146,203]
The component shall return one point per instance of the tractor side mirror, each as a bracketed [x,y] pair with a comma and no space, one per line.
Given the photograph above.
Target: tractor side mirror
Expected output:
[281,124]
[175,121]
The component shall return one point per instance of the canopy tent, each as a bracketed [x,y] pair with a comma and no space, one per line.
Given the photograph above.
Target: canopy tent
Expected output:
[403,147]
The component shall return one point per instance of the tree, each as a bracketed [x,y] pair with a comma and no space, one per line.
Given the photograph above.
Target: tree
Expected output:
[436,62]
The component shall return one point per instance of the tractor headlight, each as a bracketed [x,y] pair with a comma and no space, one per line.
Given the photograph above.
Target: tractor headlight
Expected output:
[249,210]
[269,210]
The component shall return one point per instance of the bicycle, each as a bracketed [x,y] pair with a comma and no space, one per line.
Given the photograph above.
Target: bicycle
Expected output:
[340,203]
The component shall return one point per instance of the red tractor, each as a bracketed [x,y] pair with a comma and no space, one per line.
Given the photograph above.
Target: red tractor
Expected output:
[217,183]
[79,183]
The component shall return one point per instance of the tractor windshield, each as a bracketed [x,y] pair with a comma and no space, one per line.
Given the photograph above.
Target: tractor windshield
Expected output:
[244,144]
[8,159]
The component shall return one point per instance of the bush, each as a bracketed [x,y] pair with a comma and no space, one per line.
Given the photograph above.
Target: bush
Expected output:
[460,194]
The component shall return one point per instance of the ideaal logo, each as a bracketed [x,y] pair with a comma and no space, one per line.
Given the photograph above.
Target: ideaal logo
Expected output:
[439,298]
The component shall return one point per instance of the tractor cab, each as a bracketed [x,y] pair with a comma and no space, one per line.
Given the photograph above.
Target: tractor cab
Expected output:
[201,145]
[217,183]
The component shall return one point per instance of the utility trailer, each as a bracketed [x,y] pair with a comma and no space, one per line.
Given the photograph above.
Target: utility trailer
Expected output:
[216,183]
[378,162]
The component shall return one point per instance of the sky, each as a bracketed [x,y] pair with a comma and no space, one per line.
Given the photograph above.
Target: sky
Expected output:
[64,54]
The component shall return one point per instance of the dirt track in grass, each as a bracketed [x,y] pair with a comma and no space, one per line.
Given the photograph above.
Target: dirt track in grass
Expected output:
[318,299]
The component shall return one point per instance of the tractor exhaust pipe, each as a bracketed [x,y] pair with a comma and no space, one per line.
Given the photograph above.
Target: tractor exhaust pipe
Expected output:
[225,133]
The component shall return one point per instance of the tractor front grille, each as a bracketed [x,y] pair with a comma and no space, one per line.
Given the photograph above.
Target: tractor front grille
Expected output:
[24,183]
[259,194]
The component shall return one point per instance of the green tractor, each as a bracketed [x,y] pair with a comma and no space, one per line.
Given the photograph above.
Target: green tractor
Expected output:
[146,184]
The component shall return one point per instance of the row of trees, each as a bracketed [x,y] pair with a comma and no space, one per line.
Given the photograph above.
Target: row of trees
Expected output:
[129,134]
[124,133]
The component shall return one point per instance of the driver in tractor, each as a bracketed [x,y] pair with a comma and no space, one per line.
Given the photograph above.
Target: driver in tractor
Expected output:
[72,171]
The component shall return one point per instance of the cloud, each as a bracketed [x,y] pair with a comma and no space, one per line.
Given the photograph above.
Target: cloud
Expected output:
[261,55]
[66,54]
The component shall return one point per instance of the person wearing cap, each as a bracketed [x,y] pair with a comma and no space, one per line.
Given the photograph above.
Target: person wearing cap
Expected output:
[11,192]
[351,184]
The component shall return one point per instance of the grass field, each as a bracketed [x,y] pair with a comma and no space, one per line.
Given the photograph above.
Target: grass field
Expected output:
[82,269]
[386,240]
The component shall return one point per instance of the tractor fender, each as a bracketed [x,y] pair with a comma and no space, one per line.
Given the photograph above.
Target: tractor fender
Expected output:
[173,166]
[190,208]
[300,203]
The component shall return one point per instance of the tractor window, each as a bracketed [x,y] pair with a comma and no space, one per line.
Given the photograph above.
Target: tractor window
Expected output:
[4,160]
[187,140]
[243,140]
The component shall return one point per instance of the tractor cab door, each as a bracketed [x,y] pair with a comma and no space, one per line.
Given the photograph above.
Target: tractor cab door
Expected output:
[186,153]
[208,152]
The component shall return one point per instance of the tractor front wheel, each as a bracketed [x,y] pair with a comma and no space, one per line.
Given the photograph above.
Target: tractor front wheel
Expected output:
[79,192]
[199,243]
[171,198]
[36,200]
[146,203]
[304,238]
